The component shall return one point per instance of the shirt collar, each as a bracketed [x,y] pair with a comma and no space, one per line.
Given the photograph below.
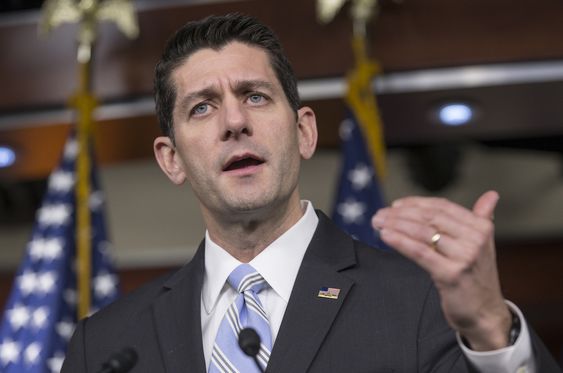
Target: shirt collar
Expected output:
[278,263]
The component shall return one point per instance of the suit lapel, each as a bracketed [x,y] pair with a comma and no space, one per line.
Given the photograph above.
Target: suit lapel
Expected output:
[308,317]
[177,316]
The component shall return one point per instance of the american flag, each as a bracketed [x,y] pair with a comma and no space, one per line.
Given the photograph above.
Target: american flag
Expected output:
[330,293]
[359,193]
[41,312]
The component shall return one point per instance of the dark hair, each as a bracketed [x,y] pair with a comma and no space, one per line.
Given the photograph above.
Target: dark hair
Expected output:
[215,32]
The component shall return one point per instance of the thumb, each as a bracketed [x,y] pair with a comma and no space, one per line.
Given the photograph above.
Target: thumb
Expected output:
[485,205]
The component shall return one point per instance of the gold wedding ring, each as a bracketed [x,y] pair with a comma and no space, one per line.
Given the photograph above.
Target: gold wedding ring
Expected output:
[435,239]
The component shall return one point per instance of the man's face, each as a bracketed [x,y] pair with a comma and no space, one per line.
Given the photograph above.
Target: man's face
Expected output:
[238,142]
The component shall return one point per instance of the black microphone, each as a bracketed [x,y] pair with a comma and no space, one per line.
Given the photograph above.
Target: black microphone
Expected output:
[120,362]
[249,343]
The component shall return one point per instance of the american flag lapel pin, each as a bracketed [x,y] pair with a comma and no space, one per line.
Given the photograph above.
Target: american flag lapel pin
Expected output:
[329,293]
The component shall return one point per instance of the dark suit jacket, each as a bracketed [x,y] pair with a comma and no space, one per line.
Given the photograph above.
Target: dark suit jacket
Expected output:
[387,318]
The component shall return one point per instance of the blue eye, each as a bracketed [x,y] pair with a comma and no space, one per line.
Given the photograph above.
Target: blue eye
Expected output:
[256,98]
[200,109]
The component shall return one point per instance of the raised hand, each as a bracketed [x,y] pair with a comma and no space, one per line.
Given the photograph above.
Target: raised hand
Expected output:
[456,247]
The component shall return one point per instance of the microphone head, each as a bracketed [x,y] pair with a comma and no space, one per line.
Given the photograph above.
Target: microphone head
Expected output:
[249,342]
[122,361]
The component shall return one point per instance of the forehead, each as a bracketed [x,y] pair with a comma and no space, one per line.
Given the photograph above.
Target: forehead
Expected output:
[234,62]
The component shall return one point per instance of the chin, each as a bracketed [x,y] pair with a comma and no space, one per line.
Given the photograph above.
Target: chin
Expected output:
[249,205]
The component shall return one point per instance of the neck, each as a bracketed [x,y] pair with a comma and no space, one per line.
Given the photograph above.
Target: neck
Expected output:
[247,235]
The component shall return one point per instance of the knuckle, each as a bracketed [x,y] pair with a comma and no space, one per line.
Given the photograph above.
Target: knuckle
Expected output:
[421,253]
[472,254]
[454,275]
[448,277]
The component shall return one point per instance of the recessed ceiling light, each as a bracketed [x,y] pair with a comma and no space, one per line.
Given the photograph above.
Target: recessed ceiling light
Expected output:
[7,156]
[455,114]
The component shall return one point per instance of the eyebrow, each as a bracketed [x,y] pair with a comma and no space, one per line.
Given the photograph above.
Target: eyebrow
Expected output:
[205,93]
[245,86]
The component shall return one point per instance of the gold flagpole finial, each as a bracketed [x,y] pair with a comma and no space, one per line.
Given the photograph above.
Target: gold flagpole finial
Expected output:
[361,12]
[328,9]
[88,13]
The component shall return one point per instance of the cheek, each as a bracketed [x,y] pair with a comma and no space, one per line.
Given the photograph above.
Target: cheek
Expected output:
[289,153]
[192,159]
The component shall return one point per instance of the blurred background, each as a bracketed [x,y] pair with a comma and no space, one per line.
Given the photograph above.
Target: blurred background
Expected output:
[471,99]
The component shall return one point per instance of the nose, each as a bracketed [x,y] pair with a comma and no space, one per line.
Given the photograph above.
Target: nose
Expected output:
[235,120]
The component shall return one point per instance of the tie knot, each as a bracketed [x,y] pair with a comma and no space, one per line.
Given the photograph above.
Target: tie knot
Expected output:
[244,278]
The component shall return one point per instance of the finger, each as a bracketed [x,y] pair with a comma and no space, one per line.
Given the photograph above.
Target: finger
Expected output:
[431,261]
[433,219]
[435,203]
[479,219]
[485,205]
[452,248]
[448,245]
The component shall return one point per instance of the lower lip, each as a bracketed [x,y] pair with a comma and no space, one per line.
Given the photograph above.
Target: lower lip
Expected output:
[245,171]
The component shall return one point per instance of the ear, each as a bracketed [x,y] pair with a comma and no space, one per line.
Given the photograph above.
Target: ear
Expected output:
[307,132]
[168,160]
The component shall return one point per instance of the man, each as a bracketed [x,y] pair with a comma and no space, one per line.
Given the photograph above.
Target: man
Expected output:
[227,103]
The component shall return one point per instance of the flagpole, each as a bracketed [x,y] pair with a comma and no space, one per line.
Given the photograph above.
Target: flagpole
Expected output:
[360,96]
[85,103]
[360,91]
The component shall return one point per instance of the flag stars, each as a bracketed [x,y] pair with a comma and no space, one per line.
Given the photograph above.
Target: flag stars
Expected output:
[55,214]
[9,352]
[65,329]
[70,296]
[55,363]
[345,129]
[105,285]
[351,211]
[37,323]
[46,282]
[71,149]
[61,181]
[104,248]
[49,249]
[40,317]
[18,317]
[96,200]
[42,283]
[31,353]
[21,316]
[27,282]
[360,176]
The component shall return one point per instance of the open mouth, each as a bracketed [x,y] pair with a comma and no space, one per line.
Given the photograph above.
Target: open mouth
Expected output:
[244,162]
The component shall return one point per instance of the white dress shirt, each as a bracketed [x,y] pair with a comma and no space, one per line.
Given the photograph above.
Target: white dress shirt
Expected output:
[279,263]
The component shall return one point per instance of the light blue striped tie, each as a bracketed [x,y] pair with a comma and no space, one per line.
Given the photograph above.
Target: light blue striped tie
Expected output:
[245,311]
